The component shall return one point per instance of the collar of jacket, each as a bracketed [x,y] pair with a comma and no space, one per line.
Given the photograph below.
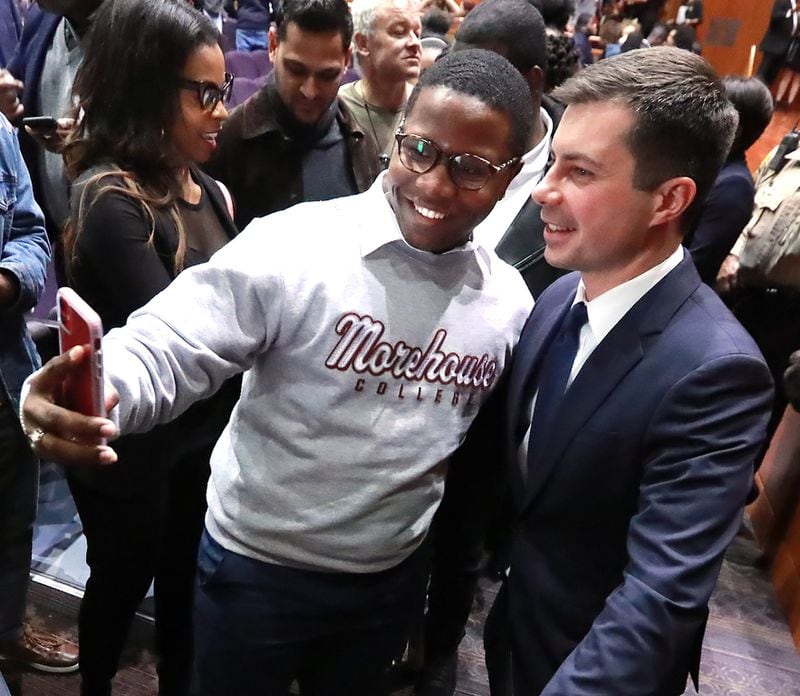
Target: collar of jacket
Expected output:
[258,117]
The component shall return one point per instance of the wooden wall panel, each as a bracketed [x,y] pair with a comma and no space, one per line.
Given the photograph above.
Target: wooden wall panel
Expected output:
[729,29]
[671,10]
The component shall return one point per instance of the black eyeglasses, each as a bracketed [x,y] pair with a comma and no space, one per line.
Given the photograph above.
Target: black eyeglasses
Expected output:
[470,172]
[208,93]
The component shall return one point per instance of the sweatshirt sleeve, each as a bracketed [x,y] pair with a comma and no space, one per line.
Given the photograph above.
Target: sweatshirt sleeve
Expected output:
[210,324]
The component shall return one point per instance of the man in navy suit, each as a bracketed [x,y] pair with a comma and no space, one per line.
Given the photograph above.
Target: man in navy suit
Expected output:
[628,482]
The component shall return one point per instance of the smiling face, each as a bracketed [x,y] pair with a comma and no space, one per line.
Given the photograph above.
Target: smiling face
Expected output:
[432,212]
[596,220]
[392,48]
[308,70]
[194,136]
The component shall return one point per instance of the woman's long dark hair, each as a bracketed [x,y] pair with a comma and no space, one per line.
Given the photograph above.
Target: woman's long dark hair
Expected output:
[128,100]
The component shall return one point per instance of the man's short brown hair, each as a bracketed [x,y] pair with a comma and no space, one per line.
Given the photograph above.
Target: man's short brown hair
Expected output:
[683,122]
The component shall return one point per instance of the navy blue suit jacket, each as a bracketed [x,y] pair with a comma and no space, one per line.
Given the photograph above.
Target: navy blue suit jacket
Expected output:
[620,531]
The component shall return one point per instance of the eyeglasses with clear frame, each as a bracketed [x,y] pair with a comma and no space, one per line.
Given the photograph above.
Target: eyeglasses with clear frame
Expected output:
[470,172]
[209,94]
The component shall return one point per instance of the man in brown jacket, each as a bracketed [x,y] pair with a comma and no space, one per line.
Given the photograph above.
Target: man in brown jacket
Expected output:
[293,140]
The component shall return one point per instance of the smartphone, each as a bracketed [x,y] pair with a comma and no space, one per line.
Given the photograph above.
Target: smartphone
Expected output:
[79,325]
[41,124]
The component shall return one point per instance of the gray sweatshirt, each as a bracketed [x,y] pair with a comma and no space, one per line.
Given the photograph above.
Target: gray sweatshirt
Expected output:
[365,362]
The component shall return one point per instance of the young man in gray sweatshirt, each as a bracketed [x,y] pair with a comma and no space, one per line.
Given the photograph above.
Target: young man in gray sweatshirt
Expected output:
[369,329]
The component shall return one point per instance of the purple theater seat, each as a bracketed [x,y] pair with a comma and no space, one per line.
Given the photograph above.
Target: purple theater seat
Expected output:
[247,64]
[350,75]
[47,301]
[44,335]
[228,34]
[243,87]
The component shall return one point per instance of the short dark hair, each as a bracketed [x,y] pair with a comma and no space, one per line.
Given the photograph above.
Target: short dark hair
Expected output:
[685,37]
[436,22]
[556,13]
[683,122]
[489,77]
[583,21]
[514,27]
[658,34]
[753,101]
[318,16]
[633,41]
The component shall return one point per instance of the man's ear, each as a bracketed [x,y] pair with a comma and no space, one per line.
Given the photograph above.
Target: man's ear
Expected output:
[360,44]
[672,198]
[535,79]
[273,43]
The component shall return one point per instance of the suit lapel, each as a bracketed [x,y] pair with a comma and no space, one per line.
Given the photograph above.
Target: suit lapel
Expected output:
[536,335]
[616,355]
[530,349]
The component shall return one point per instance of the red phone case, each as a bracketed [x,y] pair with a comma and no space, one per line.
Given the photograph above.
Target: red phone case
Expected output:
[79,325]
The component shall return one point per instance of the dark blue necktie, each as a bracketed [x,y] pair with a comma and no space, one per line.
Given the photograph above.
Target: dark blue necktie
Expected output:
[552,379]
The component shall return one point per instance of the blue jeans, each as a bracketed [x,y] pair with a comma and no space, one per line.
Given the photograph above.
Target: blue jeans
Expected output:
[259,626]
[251,40]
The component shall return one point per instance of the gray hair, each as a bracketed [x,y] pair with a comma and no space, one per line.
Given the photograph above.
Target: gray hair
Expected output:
[363,13]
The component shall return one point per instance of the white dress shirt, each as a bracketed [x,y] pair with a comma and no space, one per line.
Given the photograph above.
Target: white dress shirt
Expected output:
[605,312]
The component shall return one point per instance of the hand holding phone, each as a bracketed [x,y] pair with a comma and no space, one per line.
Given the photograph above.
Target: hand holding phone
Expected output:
[41,124]
[51,133]
[79,325]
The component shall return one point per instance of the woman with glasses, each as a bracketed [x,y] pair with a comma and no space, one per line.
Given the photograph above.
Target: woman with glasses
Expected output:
[150,106]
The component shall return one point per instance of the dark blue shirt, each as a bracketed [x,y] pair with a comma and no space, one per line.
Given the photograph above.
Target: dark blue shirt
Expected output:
[581,42]
[724,214]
